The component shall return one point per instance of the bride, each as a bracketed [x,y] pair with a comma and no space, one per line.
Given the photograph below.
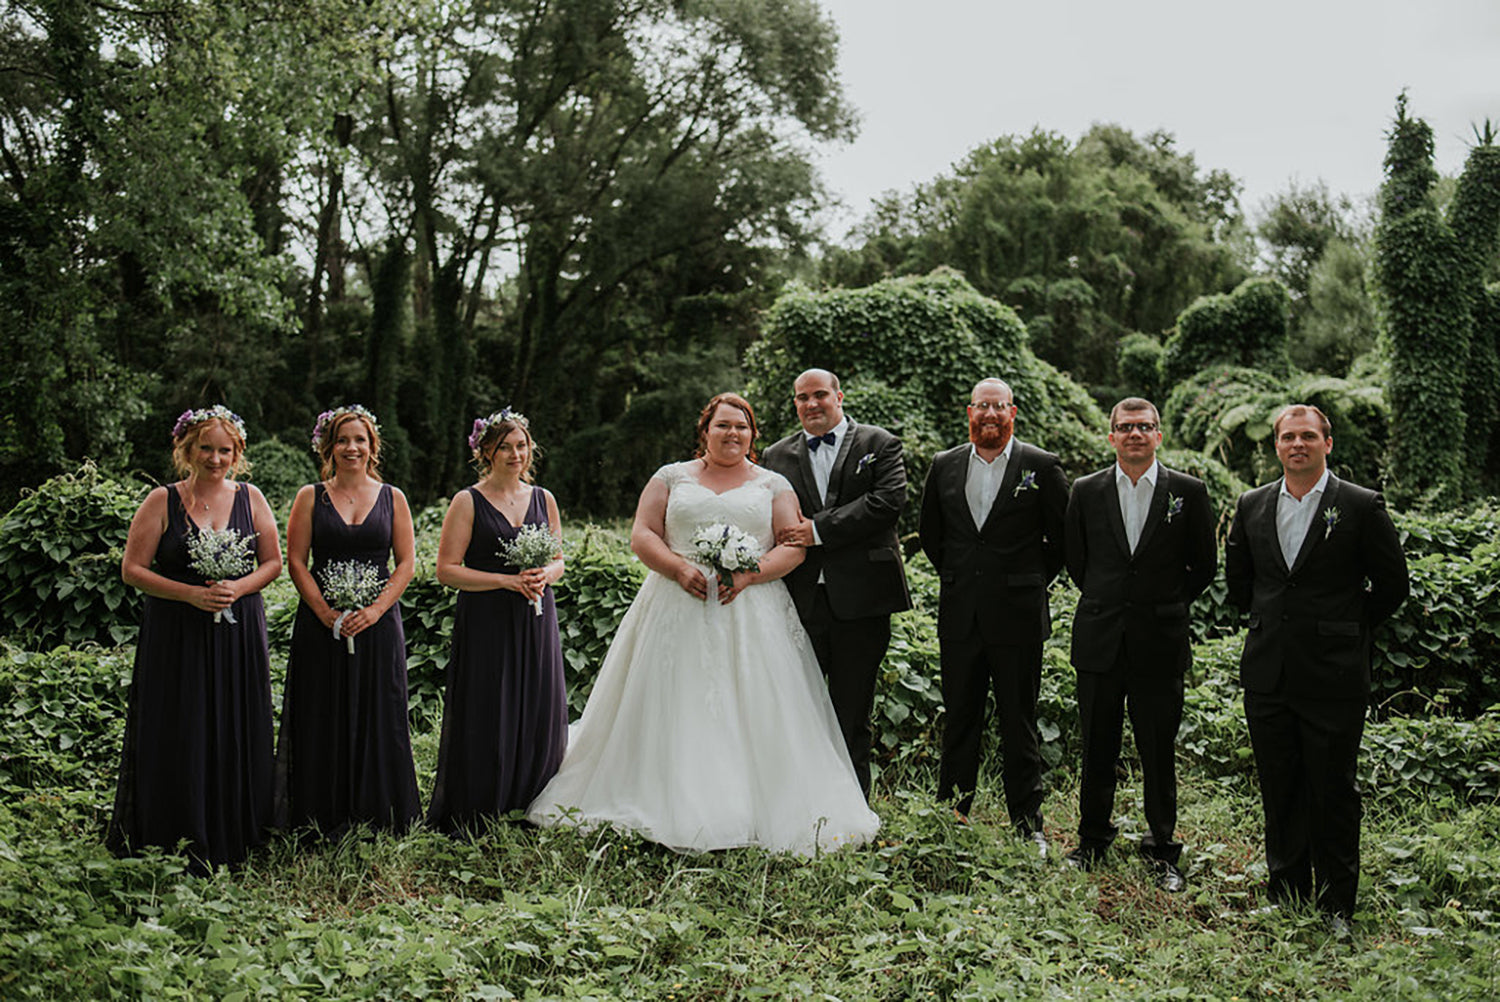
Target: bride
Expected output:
[709,726]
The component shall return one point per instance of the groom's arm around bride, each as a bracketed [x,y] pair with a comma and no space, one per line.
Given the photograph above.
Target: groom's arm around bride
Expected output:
[850,480]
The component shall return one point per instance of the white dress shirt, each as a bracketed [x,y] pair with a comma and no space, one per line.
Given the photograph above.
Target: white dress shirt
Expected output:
[822,462]
[1135,500]
[982,482]
[1294,517]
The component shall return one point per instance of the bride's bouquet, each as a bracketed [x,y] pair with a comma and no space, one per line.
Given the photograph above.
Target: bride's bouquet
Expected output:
[349,585]
[534,546]
[221,555]
[727,549]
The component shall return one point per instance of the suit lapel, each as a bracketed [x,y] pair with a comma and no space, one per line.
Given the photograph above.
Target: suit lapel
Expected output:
[1268,539]
[1318,528]
[955,484]
[1109,497]
[1156,511]
[805,483]
[836,475]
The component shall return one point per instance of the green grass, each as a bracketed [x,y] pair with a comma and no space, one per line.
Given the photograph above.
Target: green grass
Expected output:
[930,909]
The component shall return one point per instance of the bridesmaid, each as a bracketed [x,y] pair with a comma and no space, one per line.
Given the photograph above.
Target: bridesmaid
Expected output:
[196,764]
[505,713]
[344,756]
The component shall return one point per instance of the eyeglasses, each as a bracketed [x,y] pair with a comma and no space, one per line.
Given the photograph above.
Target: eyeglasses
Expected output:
[1144,427]
[990,405]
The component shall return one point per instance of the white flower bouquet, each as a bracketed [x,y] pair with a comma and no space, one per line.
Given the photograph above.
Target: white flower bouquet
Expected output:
[727,549]
[221,555]
[534,546]
[349,585]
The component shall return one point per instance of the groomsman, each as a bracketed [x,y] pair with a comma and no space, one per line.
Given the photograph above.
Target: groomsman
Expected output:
[992,525]
[1317,564]
[851,483]
[1140,548]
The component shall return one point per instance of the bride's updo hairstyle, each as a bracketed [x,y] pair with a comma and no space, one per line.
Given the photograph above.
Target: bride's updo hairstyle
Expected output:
[706,418]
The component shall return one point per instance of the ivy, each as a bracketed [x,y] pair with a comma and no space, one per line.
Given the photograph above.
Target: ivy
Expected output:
[1426,321]
[60,551]
[1247,327]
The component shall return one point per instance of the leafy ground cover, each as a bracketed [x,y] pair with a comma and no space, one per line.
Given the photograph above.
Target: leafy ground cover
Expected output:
[931,909]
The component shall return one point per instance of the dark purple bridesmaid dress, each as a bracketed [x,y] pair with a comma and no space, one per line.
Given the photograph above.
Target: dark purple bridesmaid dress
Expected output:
[505,711]
[344,753]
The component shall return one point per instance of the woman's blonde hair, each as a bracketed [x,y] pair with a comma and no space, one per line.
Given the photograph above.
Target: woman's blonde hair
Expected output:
[185,443]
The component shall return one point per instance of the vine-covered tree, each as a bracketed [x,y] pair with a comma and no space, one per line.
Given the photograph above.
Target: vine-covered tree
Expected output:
[1425,277]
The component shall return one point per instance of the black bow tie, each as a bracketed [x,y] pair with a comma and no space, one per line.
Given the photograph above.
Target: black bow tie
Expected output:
[813,441]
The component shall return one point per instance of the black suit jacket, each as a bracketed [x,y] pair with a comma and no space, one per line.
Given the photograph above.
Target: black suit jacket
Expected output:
[860,554]
[996,575]
[1138,601]
[1311,622]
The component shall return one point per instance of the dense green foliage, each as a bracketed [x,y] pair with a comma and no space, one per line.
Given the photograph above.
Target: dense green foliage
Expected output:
[1444,382]
[60,550]
[1247,327]
[1086,240]
[430,207]
[280,469]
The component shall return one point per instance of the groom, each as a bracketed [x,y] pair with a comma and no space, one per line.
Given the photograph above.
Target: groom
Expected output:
[851,485]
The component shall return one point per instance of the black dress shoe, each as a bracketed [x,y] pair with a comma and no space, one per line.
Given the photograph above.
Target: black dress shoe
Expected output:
[1168,877]
[1081,859]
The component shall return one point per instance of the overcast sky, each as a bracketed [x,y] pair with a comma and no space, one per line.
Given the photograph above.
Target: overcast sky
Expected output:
[1272,91]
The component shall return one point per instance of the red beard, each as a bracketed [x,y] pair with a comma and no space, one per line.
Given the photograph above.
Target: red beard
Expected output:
[989,433]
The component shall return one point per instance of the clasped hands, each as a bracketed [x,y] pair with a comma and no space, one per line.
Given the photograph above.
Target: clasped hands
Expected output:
[215,596]
[695,582]
[530,583]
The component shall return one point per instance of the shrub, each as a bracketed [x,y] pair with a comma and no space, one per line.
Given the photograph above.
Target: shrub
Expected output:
[60,550]
[279,470]
[1247,327]
[63,717]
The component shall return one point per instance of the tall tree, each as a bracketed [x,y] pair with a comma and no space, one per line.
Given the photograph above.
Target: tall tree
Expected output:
[1426,322]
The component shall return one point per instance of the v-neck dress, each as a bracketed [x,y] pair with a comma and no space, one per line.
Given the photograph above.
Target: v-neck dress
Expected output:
[196,763]
[505,709]
[344,753]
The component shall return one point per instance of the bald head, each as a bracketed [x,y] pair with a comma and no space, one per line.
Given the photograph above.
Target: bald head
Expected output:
[820,402]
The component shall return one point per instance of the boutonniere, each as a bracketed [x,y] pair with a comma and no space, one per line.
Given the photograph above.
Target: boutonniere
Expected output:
[1330,519]
[1174,507]
[1028,483]
[864,461]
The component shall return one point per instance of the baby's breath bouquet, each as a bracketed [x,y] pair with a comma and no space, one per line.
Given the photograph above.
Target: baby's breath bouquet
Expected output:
[534,546]
[221,555]
[727,549]
[349,585]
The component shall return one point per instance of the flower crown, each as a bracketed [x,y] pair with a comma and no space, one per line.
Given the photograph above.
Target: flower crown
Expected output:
[482,424]
[325,421]
[187,419]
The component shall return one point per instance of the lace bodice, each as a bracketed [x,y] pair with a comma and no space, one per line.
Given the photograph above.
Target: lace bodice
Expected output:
[691,506]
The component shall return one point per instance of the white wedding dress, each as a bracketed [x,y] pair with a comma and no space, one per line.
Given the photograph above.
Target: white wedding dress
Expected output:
[709,726]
